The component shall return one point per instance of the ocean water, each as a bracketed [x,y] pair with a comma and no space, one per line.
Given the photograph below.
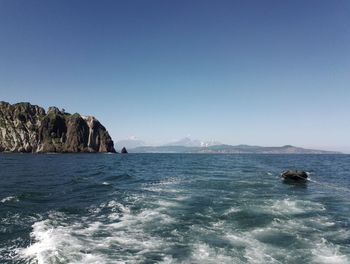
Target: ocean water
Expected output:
[173,208]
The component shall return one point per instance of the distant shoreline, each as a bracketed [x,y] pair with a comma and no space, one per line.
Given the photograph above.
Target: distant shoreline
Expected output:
[165,153]
[230,149]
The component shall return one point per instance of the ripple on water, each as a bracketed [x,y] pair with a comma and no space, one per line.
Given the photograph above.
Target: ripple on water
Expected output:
[175,216]
[119,177]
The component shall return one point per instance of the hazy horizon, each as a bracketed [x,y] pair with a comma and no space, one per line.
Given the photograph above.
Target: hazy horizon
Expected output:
[266,73]
[172,141]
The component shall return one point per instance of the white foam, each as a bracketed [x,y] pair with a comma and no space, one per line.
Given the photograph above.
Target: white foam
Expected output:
[289,206]
[237,240]
[78,243]
[158,189]
[51,244]
[203,253]
[90,259]
[232,210]
[117,210]
[114,205]
[320,222]
[63,239]
[327,253]
[166,204]
[254,250]
[166,186]
[9,199]
[167,260]
[181,197]
[245,247]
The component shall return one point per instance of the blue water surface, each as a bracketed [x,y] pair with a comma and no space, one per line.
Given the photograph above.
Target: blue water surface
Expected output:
[173,208]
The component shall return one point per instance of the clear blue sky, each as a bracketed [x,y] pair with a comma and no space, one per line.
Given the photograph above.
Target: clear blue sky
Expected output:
[252,72]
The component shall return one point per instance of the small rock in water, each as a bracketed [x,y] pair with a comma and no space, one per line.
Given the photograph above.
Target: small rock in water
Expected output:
[124,151]
[296,175]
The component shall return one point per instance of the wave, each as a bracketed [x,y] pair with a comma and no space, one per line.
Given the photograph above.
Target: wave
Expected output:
[114,226]
[9,199]
[164,222]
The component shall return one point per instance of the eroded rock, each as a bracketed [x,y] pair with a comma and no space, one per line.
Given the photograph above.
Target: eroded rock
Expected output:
[27,128]
[296,175]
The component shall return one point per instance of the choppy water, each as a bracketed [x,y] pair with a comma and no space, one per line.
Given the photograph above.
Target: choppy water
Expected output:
[173,208]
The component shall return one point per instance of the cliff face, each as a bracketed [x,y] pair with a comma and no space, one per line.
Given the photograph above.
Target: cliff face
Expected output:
[27,128]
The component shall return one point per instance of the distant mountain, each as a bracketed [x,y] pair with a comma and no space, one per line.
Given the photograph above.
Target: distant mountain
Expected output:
[229,149]
[164,149]
[130,143]
[188,142]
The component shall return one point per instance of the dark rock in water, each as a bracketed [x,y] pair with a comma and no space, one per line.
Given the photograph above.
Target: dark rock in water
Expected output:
[124,151]
[295,175]
[27,128]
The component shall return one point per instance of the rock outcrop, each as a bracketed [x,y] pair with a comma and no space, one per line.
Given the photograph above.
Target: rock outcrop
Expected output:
[28,128]
[124,151]
[295,175]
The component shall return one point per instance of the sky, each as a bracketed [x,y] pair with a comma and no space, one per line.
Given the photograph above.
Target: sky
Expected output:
[266,72]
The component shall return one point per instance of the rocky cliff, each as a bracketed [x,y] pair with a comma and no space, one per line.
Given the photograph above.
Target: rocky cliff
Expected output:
[28,128]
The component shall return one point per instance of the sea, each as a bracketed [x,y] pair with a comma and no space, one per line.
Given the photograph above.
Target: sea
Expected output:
[173,208]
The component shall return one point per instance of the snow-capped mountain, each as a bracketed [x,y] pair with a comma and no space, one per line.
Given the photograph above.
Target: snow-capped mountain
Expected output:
[188,142]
